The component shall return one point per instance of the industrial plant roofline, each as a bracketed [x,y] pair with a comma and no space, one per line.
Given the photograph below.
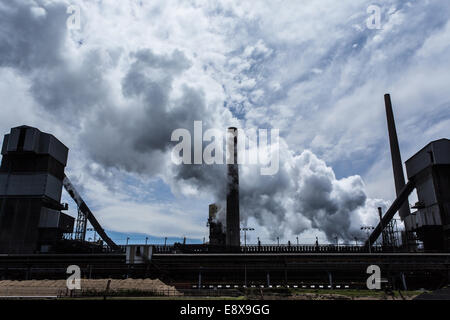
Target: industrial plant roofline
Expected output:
[29,139]
[148,250]
[434,153]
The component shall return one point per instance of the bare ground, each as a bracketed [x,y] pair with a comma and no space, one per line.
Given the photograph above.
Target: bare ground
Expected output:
[59,287]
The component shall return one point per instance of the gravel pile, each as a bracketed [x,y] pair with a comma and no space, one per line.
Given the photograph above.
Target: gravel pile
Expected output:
[57,287]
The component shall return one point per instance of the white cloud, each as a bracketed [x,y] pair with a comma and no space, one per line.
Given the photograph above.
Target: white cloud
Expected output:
[137,70]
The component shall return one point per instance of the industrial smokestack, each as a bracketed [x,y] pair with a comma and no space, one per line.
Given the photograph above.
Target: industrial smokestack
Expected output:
[397,165]
[233,225]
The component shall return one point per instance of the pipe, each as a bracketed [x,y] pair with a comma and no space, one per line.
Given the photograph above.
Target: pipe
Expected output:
[403,196]
[397,165]
[87,212]
[380,214]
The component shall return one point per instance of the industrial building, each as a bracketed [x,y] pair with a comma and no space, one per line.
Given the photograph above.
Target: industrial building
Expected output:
[429,174]
[38,240]
[217,235]
[430,170]
[31,181]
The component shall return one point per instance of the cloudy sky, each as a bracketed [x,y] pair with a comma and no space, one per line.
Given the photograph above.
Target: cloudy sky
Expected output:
[114,89]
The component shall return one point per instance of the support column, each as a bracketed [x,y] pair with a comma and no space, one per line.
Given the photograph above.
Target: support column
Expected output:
[402,275]
[285,276]
[245,275]
[330,279]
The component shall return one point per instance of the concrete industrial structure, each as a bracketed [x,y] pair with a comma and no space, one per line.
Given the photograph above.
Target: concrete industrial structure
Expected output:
[430,170]
[31,182]
[217,236]
[397,165]
[233,238]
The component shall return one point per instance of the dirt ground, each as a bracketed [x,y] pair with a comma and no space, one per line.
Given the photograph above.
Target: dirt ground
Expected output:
[311,296]
[348,294]
[58,287]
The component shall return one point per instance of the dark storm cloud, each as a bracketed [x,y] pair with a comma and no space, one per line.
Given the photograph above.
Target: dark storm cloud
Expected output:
[33,41]
[29,40]
[75,88]
[143,129]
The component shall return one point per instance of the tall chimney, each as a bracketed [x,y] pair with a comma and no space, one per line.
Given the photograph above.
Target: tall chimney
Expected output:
[397,165]
[233,226]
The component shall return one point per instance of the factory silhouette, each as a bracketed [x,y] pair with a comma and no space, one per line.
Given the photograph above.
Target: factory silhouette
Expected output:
[39,240]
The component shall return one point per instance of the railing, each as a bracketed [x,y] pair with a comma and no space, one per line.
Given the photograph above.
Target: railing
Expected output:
[179,248]
[151,293]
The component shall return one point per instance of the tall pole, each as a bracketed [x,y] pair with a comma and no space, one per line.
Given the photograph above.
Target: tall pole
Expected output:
[245,236]
[397,165]
[380,214]
[245,239]
[245,275]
